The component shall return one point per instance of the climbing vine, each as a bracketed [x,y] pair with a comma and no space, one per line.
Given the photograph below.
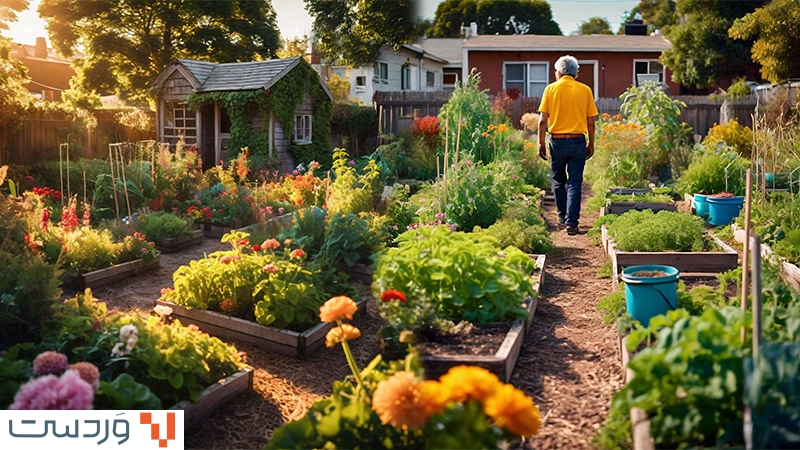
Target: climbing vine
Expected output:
[282,99]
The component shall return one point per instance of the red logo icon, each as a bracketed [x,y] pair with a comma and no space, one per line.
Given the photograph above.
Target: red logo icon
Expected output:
[146,418]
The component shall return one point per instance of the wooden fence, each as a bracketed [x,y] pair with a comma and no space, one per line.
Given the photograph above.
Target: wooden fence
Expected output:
[397,110]
[41,132]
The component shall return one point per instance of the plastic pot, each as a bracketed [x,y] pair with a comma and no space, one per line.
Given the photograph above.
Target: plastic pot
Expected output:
[650,296]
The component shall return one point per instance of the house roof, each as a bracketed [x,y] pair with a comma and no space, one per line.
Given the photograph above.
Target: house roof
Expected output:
[425,54]
[573,43]
[449,49]
[200,70]
[21,51]
[247,76]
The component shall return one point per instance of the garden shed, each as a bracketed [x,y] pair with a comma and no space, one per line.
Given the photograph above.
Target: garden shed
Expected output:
[279,109]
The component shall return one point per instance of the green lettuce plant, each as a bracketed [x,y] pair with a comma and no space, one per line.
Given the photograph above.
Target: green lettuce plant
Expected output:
[163,225]
[645,231]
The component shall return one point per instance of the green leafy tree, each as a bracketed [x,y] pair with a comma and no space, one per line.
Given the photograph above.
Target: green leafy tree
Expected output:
[352,32]
[297,46]
[127,44]
[9,10]
[595,25]
[702,54]
[339,87]
[494,17]
[775,27]
[656,14]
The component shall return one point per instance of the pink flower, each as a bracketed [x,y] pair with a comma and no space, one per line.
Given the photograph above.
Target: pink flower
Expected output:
[88,373]
[271,244]
[68,392]
[229,258]
[270,268]
[299,253]
[50,363]
[112,311]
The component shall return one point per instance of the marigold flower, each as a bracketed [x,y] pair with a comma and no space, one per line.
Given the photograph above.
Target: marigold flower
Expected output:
[227,305]
[337,308]
[433,396]
[336,335]
[88,373]
[298,253]
[397,402]
[229,258]
[287,242]
[485,134]
[271,244]
[256,248]
[392,294]
[50,363]
[511,409]
[470,382]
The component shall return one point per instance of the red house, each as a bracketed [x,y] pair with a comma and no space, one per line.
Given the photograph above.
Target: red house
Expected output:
[49,73]
[609,64]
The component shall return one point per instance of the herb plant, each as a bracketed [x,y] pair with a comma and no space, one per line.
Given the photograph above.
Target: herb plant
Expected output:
[162,225]
[645,231]
[713,172]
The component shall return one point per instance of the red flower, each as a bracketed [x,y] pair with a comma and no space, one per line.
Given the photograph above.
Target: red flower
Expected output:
[256,248]
[299,253]
[391,294]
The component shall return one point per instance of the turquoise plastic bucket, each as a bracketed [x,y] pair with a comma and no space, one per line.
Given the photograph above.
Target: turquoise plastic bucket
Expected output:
[722,211]
[647,297]
[700,205]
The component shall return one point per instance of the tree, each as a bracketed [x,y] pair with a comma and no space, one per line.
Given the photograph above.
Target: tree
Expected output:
[595,25]
[494,17]
[702,54]
[14,98]
[775,27]
[339,87]
[658,13]
[127,44]
[9,10]
[297,46]
[352,32]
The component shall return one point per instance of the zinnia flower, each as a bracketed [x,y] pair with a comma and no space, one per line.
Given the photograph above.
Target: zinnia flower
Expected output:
[391,294]
[470,382]
[271,244]
[397,402]
[298,253]
[270,268]
[256,248]
[229,258]
[68,392]
[88,373]
[337,335]
[337,308]
[50,363]
[511,409]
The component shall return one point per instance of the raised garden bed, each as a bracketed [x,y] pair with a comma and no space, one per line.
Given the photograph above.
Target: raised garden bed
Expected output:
[217,231]
[285,342]
[642,440]
[214,397]
[503,361]
[359,272]
[685,262]
[172,245]
[789,272]
[111,274]
[622,207]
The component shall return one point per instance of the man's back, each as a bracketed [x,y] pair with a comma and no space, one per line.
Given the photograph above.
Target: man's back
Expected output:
[569,103]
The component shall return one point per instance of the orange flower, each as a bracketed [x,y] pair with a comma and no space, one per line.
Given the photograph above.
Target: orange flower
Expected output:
[336,335]
[433,396]
[337,308]
[484,134]
[391,294]
[397,402]
[606,116]
[511,409]
[271,244]
[299,253]
[470,382]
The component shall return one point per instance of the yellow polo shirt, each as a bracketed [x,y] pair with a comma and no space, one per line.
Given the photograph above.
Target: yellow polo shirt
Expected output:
[568,103]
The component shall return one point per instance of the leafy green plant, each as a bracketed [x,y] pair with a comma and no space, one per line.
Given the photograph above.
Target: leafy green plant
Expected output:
[648,104]
[465,277]
[163,225]
[516,233]
[350,239]
[14,372]
[645,231]
[713,172]
[351,192]
[123,392]
[471,105]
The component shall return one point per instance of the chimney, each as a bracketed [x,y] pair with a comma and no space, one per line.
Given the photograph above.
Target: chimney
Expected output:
[473,28]
[41,48]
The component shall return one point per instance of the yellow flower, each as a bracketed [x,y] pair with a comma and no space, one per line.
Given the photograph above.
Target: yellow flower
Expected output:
[337,308]
[397,402]
[470,382]
[433,396]
[346,332]
[511,409]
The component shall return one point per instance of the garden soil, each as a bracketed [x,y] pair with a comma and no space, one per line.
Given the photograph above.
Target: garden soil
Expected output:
[569,363]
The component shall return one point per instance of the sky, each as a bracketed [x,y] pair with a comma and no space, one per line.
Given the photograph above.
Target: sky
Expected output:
[294,21]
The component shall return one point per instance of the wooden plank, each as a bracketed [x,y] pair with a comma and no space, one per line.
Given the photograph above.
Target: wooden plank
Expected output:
[623,207]
[172,245]
[215,396]
[641,426]
[111,274]
[359,272]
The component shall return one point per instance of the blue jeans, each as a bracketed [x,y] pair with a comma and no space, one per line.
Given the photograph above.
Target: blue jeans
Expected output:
[567,159]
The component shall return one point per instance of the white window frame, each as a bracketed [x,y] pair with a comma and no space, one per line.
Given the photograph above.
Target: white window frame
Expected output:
[380,72]
[595,74]
[663,72]
[526,82]
[405,78]
[430,78]
[302,129]
[361,87]
[178,127]
[450,85]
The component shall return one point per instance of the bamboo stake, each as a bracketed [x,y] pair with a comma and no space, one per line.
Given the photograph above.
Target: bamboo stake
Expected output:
[756,285]
[745,253]
[446,157]
[113,180]
[121,160]
[69,189]
[440,191]
[61,170]
[458,143]
[84,187]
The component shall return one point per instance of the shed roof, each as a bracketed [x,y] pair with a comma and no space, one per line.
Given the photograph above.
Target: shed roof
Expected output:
[200,70]
[448,48]
[573,43]
[247,76]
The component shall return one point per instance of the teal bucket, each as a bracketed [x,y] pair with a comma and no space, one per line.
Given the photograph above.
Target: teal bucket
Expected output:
[647,297]
[700,205]
[722,211]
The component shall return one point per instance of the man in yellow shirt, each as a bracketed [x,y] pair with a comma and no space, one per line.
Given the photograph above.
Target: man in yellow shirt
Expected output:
[569,107]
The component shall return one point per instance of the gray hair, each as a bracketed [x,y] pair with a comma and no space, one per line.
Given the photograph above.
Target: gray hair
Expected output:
[567,65]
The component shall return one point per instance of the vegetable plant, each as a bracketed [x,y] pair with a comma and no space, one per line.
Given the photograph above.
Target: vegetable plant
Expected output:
[163,225]
[645,231]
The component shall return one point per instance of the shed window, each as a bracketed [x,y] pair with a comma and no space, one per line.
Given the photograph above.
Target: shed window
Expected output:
[647,69]
[179,122]
[530,78]
[302,129]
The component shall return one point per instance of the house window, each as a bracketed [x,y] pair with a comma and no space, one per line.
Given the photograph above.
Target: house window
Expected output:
[449,80]
[380,72]
[361,84]
[405,78]
[302,129]
[430,78]
[647,69]
[179,122]
[529,78]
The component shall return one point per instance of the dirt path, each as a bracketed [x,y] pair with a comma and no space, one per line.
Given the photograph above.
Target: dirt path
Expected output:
[569,361]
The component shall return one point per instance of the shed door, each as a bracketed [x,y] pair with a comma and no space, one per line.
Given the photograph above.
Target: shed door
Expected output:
[586,75]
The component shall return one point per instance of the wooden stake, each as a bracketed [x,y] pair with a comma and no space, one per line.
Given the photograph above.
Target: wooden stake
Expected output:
[746,250]
[61,171]
[446,157]
[84,187]
[756,284]
[458,144]
[121,160]
[437,178]
[69,189]
[113,180]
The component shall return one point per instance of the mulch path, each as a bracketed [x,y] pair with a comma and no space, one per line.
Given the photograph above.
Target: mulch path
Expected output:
[569,362]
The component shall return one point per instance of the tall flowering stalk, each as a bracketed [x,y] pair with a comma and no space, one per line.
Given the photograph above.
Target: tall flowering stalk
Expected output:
[334,310]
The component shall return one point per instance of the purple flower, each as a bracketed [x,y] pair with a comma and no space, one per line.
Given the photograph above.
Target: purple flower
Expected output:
[68,392]
[48,363]
[511,138]
[352,163]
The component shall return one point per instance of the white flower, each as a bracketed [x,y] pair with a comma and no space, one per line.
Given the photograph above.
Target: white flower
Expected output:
[131,343]
[118,351]
[162,310]
[126,331]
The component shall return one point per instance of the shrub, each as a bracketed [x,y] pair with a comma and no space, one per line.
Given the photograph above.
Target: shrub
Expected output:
[733,135]
[713,173]
[516,233]
[162,225]
[351,192]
